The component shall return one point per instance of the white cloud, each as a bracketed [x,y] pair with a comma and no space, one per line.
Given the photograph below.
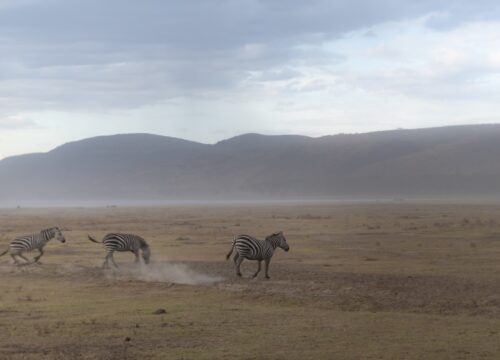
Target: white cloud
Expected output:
[417,62]
[16,122]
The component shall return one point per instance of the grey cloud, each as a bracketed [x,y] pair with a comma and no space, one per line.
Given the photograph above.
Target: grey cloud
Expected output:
[196,24]
[191,26]
[213,25]
[115,53]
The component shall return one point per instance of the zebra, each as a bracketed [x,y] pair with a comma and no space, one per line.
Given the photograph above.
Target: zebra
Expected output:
[32,242]
[248,247]
[123,242]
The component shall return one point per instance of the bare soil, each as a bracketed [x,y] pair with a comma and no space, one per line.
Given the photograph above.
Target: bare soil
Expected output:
[379,281]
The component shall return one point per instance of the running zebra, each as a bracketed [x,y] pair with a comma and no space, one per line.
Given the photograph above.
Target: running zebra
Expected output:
[123,242]
[32,242]
[248,247]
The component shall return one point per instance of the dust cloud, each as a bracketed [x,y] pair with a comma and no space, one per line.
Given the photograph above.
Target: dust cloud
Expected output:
[159,271]
[163,271]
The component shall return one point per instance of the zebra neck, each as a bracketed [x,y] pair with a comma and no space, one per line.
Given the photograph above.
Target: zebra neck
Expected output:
[273,242]
[47,235]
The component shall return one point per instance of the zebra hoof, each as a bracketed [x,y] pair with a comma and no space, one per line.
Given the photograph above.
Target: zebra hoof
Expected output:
[267,277]
[239,274]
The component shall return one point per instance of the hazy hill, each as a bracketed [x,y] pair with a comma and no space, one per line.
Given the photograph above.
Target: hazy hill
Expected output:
[460,162]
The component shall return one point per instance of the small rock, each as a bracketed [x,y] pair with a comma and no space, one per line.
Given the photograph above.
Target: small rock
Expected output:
[160,311]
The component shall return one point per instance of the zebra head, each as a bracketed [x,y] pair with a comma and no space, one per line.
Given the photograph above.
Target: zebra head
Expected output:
[58,234]
[279,240]
[52,233]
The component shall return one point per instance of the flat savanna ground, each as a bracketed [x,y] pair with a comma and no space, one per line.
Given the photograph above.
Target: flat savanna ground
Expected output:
[372,281]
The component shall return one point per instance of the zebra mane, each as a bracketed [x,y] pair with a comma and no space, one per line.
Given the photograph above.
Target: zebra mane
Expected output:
[278,233]
[51,231]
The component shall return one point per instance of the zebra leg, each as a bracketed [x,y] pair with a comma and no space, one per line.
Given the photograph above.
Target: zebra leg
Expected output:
[267,268]
[238,260]
[105,265]
[39,255]
[136,253]
[27,261]
[236,265]
[15,259]
[258,269]
[113,260]
[24,258]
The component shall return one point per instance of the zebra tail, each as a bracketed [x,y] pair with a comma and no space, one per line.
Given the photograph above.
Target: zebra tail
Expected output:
[232,248]
[5,252]
[92,239]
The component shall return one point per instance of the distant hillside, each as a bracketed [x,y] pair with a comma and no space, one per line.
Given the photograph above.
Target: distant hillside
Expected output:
[455,162]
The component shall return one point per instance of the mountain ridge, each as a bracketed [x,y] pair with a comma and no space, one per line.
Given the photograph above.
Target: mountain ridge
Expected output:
[445,162]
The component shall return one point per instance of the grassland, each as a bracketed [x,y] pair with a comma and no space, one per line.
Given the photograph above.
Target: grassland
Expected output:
[365,281]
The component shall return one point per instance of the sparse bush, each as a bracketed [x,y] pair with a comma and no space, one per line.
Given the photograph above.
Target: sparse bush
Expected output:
[309,217]
[183,238]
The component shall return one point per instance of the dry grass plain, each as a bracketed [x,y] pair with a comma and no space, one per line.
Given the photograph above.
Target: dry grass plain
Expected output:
[363,281]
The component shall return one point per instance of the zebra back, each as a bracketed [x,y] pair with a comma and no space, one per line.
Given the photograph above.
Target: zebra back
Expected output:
[255,249]
[33,241]
[252,248]
[124,242]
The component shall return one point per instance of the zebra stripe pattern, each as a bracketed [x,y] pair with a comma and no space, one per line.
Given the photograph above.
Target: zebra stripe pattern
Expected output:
[124,242]
[248,247]
[32,242]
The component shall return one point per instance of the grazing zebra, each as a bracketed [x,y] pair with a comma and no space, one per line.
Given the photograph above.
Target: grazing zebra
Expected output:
[248,247]
[124,242]
[32,242]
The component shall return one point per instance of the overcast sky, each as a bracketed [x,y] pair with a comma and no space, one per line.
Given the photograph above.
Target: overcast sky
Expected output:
[206,70]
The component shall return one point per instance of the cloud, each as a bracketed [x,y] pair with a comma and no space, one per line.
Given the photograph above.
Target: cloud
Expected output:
[461,64]
[16,123]
[452,14]
[98,55]
[207,70]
